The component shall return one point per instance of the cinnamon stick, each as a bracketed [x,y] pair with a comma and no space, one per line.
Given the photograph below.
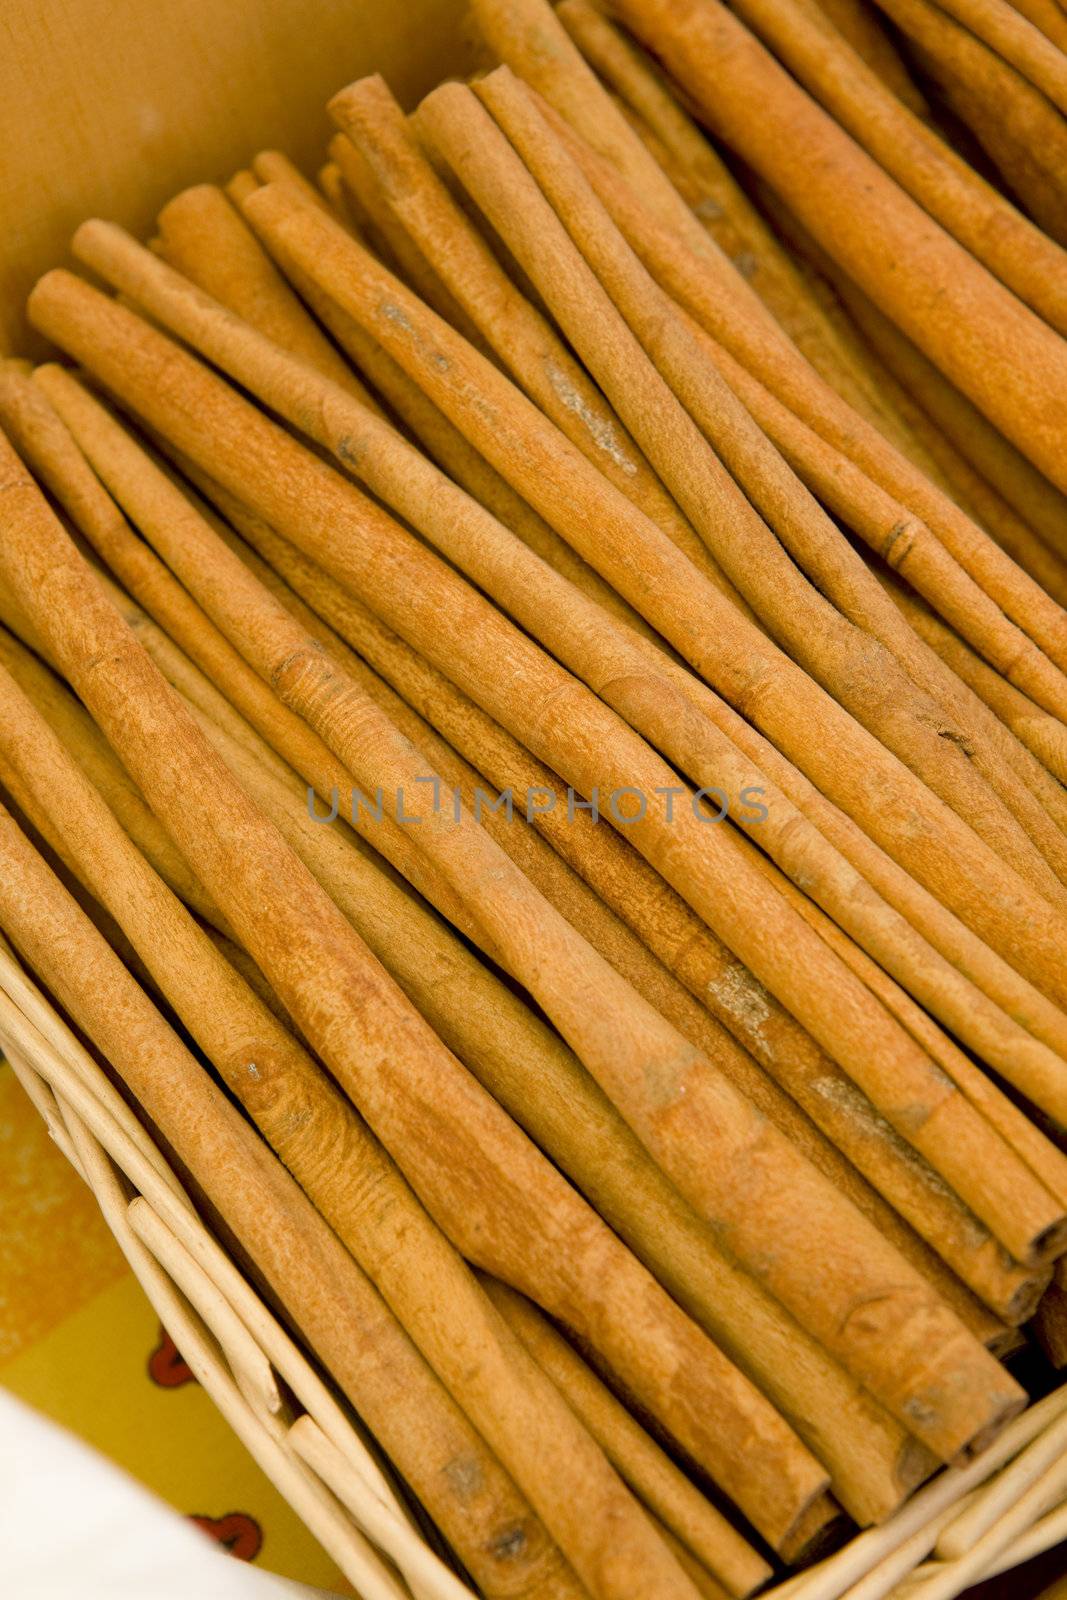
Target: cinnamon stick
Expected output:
[199,253]
[610,866]
[492,1031]
[207,261]
[1043,735]
[546,482]
[1048,16]
[49,448]
[529,37]
[710,189]
[1043,551]
[1043,1158]
[1050,1326]
[982,1199]
[326,995]
[991,346]
[696,1084]
[1037,803]
[769,484]
[872,1463]
[202,219]
[894,360]
[343,1170]
[1045,1021]
[95,757]
[332,186]
[649,1472]
[995,581]
[858,22]
[661,919]
[108,457]
[984,1202]
[523,338]
[316,1281]
[1007,31]
[392,241]
[274,166]
[991,228]
[1011,120]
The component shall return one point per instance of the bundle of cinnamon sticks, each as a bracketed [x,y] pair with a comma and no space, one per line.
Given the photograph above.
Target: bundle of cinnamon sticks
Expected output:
[533,740]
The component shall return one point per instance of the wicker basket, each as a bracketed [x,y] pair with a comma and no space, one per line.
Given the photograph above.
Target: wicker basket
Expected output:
[966,1525]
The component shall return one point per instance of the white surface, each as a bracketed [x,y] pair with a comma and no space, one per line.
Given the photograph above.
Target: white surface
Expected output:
[115,1541]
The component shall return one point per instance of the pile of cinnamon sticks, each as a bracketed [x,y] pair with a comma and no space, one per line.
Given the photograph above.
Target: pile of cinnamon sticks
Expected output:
[533,736]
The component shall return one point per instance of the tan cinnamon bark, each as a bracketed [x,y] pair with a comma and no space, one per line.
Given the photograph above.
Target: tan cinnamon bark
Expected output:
[618,1432]
[530,38]
[332,186]
[274,166]
[392,241]
[202,220]
[268,738]
[579,903]
[1014,122]
[1043,735]
[1032,497]
[1038,541]
[702,1081]
[605,861]
[651,1474]
[992,347]
[900,367]
[1003,775]
[1048,15]
[205,256]
[532,1073]
[578,1146]
[1004,29]
[1043,1020]
[343,1170]
[48,447]
[998,589]
[521,335]
[660,918]
[707,186]
[556,480]
[318,1284]
[994,230]
[97,760]
[982,1198]
[675,1343]
[864,388]
[107,460]
[858,22]
[1038,803]
[1043,1158]
[745,546]
[625,882]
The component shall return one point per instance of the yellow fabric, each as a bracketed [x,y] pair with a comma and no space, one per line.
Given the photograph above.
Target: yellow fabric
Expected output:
[79,1341]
